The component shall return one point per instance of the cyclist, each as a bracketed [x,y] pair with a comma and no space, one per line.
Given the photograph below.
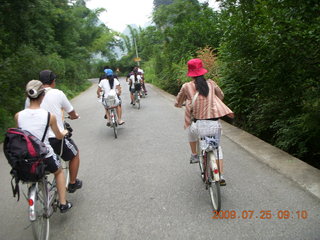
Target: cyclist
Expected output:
[207,106]
[141,73]
[134,84]
[34,120]
[105,86]
[55,101]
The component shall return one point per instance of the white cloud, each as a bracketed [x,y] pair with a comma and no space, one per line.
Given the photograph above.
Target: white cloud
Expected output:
[121,13]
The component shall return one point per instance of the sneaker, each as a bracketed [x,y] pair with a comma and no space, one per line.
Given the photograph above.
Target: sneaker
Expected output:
[73,187]
[65,207]
[222,182]
[194,159]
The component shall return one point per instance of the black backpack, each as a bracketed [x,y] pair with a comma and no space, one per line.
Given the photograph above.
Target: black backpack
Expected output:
[25,154]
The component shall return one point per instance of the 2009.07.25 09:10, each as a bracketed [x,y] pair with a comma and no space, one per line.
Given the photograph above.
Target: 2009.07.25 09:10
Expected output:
[262,214]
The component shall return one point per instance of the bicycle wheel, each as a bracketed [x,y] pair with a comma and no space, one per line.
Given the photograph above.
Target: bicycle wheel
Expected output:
[214,186]
[41,226]
[138,103]
[115,131]
[114,124]
[202,160]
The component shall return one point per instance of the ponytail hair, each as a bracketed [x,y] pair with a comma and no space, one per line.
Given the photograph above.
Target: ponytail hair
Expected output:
[111,81]
[202,85]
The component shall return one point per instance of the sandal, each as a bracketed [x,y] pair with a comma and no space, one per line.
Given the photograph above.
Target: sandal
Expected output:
[121,123]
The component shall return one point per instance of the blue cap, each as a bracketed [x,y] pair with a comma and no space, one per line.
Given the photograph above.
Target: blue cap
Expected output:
[108,72]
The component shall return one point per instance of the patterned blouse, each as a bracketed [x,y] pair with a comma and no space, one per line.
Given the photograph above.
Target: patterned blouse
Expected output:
[204,107]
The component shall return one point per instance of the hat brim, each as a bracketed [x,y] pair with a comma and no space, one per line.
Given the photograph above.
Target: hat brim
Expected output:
[197,72]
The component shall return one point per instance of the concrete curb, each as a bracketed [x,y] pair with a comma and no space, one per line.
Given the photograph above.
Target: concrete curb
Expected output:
[306,176]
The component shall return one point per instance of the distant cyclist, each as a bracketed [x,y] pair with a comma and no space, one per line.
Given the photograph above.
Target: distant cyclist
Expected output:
[34,120]
[141,73]
[135,81]
[105,87]
[56,102]
[207,106]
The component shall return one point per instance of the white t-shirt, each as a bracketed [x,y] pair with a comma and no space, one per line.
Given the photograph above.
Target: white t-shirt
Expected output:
[105,86]
[140,71]
[35,121]
[55,102]
[133,81]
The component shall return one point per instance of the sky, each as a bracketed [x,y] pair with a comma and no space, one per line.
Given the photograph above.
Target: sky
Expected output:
[121,13]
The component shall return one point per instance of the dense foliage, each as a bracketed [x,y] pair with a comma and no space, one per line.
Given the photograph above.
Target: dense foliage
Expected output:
[264,54]
[47,34]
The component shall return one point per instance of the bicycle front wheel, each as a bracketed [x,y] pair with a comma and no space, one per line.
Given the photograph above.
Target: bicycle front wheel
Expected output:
[214,186]
[115,131]
[40,227]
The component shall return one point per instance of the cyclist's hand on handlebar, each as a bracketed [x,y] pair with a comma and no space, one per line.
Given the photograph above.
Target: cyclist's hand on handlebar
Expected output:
[74,116]
[65,132]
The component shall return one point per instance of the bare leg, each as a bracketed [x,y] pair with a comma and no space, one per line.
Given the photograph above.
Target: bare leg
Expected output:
[61,186]
[108,115]
[119,113]
[221,166]
[193,146]
[74,168]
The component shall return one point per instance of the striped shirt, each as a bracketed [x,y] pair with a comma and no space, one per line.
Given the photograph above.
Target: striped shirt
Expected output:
[204,107]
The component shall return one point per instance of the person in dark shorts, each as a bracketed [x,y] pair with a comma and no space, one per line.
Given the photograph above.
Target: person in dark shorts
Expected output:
[56,102]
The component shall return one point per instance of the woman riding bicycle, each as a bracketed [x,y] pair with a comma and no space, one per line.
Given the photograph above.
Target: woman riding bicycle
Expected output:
[34,120]
[135,81]
[207,105]
[109,85]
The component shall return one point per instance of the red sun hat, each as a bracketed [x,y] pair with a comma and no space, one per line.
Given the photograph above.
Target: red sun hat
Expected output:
[195,68]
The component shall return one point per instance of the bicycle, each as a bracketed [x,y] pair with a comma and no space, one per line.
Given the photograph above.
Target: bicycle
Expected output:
[43,202]
[136,98]
[43,197]
[207,146]
[114,120]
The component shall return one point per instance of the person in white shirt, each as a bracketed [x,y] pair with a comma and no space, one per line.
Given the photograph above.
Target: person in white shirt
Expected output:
[56,102]
[110,85]
[34,119]
[135,84]
[141,73]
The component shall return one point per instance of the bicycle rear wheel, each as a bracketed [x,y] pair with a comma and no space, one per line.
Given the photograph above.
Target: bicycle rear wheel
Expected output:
[41,226]
[214,186]
[202,160]
[138,103]
[114,124]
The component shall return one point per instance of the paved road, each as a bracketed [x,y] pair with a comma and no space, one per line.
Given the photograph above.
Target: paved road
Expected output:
[141,186]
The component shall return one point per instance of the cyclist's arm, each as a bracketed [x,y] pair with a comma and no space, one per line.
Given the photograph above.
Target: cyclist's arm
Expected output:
[181,97]
[73,115]
[54,126]
[218,91]
[99,90]
[16,119]
[119,89]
